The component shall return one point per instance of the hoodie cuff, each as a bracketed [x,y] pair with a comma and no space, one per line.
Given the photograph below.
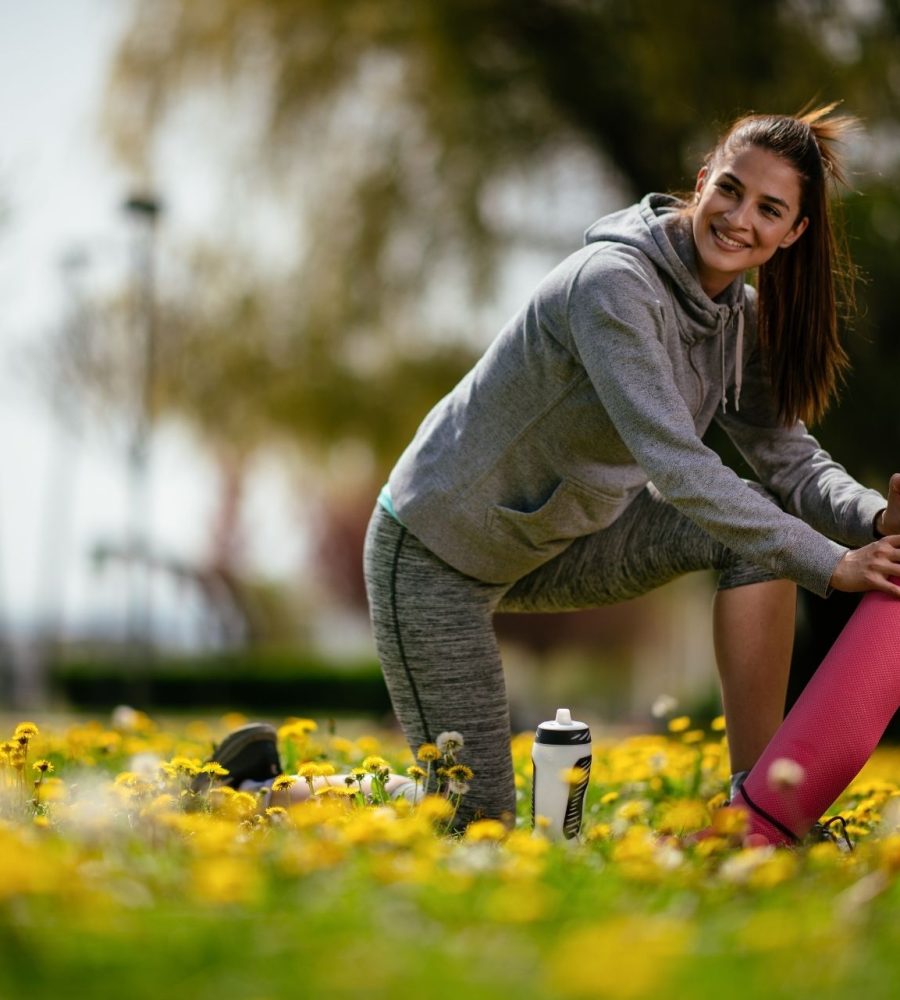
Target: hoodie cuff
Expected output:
[867,507]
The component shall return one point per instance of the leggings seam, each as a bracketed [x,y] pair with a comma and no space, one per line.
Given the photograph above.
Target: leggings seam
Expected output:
[398,638]
[770,819]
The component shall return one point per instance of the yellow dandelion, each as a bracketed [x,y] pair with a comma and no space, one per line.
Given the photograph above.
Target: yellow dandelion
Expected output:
[718,724]
[42,766]
[283,783]
[435,808]
[126,779]
[459,772]
[693,736]
[214,770]
[679,724]
[633,810]
[301,725]
[26,730]
[683,815]
[189,766]
[368,745]
[486,831]
[416,773]
[428,753]
[889,853]
[730,822]
[341,745]
[374,764]
[335,792]
[608,798]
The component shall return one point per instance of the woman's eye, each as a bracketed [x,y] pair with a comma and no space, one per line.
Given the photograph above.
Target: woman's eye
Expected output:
[771,211]
[726,187]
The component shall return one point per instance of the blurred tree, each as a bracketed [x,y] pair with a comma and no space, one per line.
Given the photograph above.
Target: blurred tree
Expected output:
[399,122]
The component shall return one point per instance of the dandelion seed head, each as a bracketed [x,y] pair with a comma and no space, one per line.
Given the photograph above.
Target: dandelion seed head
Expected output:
[663,705]
[450,742]
[784,774]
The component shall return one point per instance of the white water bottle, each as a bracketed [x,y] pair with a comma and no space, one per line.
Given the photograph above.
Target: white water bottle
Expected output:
[559,745]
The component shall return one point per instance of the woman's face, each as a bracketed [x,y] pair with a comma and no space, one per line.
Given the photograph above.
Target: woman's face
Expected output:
[748,208]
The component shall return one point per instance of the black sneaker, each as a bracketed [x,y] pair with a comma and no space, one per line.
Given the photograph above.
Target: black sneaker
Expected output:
[248,754]
[834,831]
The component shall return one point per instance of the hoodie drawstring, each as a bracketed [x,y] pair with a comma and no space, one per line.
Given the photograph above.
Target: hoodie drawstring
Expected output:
[738,353]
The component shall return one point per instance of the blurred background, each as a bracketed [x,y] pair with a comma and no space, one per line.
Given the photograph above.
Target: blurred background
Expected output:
[246,244]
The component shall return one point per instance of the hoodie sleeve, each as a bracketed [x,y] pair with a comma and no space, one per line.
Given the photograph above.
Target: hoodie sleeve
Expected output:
[790,462]
[619,327]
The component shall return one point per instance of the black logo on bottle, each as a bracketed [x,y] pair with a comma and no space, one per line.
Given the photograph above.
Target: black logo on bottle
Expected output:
[575,804]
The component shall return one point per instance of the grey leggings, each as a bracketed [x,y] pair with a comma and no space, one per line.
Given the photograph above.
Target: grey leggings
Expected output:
[435,636]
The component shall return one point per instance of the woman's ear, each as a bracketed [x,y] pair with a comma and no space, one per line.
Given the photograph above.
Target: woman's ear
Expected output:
[794,234]
[702,174]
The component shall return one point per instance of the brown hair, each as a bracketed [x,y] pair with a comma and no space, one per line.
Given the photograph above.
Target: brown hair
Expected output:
[801,286]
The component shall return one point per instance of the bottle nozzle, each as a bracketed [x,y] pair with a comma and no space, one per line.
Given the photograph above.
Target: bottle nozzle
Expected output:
[563,717]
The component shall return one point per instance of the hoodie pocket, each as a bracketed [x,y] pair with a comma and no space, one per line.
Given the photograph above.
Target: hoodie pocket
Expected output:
[571,510]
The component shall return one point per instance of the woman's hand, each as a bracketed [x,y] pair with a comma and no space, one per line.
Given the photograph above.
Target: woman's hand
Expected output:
[870,567]
[888,522]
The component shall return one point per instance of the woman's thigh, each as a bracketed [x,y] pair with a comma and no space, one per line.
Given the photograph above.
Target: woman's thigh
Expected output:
[651,544]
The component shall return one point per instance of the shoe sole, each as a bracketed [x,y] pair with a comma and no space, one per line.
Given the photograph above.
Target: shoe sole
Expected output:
[232,745]
[240,739]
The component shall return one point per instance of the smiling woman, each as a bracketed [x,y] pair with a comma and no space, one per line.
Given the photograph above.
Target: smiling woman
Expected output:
[567,469]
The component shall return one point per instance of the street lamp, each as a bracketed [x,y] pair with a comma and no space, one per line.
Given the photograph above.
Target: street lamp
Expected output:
[143,210]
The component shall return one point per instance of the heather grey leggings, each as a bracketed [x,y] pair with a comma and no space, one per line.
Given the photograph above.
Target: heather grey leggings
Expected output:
[435,637]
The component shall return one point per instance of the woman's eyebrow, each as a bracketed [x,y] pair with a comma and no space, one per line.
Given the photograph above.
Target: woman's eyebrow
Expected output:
[766,197]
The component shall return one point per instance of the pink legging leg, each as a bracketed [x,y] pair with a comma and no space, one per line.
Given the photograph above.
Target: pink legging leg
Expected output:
[833,727]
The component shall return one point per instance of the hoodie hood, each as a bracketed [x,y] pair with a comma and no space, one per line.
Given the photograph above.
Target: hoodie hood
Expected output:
[658,227]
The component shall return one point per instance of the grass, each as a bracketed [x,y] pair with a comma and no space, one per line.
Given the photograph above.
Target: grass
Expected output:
[116,881]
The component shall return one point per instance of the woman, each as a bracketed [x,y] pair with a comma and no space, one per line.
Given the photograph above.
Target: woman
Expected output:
[567,470]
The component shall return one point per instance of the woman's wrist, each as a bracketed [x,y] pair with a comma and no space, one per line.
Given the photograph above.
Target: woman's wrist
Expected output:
[878,524]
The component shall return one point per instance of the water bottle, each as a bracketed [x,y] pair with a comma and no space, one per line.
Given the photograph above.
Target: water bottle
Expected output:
[559,745]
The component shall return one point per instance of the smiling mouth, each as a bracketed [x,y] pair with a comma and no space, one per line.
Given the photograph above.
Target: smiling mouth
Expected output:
[728,241]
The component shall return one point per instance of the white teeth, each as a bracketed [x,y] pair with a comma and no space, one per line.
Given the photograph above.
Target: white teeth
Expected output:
[730,242]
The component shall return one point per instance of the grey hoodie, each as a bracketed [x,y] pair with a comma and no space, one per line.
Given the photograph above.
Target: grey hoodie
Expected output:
[606,380]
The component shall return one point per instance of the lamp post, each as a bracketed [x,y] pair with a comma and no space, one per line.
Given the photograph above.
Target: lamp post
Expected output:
[143,210]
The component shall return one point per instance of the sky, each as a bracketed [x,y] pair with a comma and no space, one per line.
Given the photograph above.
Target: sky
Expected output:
[63,491]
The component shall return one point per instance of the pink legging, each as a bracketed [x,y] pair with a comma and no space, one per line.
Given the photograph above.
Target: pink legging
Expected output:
[833,727]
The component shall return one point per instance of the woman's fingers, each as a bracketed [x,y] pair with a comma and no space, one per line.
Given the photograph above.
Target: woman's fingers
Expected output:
[873,567]
[890,519]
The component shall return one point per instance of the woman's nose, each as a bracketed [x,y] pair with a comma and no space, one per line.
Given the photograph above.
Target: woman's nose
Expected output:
[737,215]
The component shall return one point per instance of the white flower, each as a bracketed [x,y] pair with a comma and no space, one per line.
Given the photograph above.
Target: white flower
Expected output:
[784,774]
[664,705]
[449,742]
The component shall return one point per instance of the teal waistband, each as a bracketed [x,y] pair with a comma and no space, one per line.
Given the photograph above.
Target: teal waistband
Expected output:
[384,498]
